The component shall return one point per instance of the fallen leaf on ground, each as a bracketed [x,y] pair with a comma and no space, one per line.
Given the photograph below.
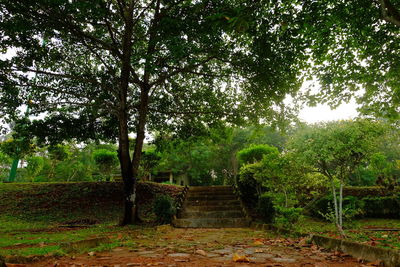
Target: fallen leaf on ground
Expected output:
[201,252]
[258,243]
[259,250]
[240,258]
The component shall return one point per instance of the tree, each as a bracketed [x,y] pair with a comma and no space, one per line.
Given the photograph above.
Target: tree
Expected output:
[5,162]
[336,149]
[357,53]
[143,65]
[106,161]
[149,162]
[35,165]
[192,157]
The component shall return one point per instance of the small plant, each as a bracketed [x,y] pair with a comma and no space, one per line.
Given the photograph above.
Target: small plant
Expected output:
[164,208]
[287,217]
[349,213]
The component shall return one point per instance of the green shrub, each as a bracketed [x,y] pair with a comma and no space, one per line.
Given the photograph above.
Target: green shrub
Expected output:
[106,161]
[286,217]
[248,186]
[368,191]
[265,208]
[352,207]
[255,153]
[382,207]
[164,208]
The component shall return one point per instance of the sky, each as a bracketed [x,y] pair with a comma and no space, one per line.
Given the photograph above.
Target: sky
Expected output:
[325,113]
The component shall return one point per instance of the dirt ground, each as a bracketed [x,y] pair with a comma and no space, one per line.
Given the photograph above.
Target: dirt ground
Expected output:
[208,247]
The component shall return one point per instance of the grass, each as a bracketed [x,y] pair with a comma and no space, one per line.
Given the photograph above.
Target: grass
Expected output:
[32,215]
[358,230]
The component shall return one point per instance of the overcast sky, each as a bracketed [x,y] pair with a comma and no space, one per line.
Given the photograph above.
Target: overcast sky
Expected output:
[324,113]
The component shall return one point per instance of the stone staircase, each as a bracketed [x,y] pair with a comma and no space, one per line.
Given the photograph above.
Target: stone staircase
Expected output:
[211,207]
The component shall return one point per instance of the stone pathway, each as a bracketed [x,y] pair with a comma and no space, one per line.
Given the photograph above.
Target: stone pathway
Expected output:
[211,247]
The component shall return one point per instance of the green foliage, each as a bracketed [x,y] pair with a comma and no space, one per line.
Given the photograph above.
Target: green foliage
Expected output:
[192,157]
[336,150]
[17,148]
[382,207]
[35,166]
[5,163]
[287,217]
[352,207]
[164,208]
[343,64]
[150,160]
[106,161]
[362,176]
[369,191]
[384,170]
[255,153]
[265,208]
[250,188]
[58,152]
[280,174]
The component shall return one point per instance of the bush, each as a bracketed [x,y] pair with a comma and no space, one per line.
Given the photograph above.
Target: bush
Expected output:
[286,217]
[382,207]
[164,208]
[106,161]
[368,191]
[353,206]
[265,208]
[255,153]
[248,186]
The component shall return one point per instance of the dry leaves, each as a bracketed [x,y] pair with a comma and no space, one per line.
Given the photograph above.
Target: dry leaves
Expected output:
[240,258]
[201,252]
[258,243]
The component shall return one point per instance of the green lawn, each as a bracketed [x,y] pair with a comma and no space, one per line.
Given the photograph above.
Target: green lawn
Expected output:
[35,218]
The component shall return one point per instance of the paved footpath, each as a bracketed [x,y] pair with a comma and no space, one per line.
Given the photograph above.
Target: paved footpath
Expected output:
[210,247]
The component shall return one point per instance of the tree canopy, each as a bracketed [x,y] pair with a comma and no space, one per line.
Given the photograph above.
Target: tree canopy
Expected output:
[104,68]
[336,150]
[356,53]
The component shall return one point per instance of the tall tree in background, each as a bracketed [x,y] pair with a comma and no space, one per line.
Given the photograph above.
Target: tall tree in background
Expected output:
[149,64]
[336,150]
[357,53]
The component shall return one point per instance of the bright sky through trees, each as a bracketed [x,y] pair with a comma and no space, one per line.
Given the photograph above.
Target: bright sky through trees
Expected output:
[323,112]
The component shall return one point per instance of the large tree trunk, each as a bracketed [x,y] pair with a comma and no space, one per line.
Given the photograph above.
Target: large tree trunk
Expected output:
[137,154]
[123,116]
[126,171]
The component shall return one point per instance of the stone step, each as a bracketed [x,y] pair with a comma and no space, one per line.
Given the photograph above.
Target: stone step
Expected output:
[206,192]
[211,197]
[209,189]
[211,202]
[212,208]
[211,223]
[212,214]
